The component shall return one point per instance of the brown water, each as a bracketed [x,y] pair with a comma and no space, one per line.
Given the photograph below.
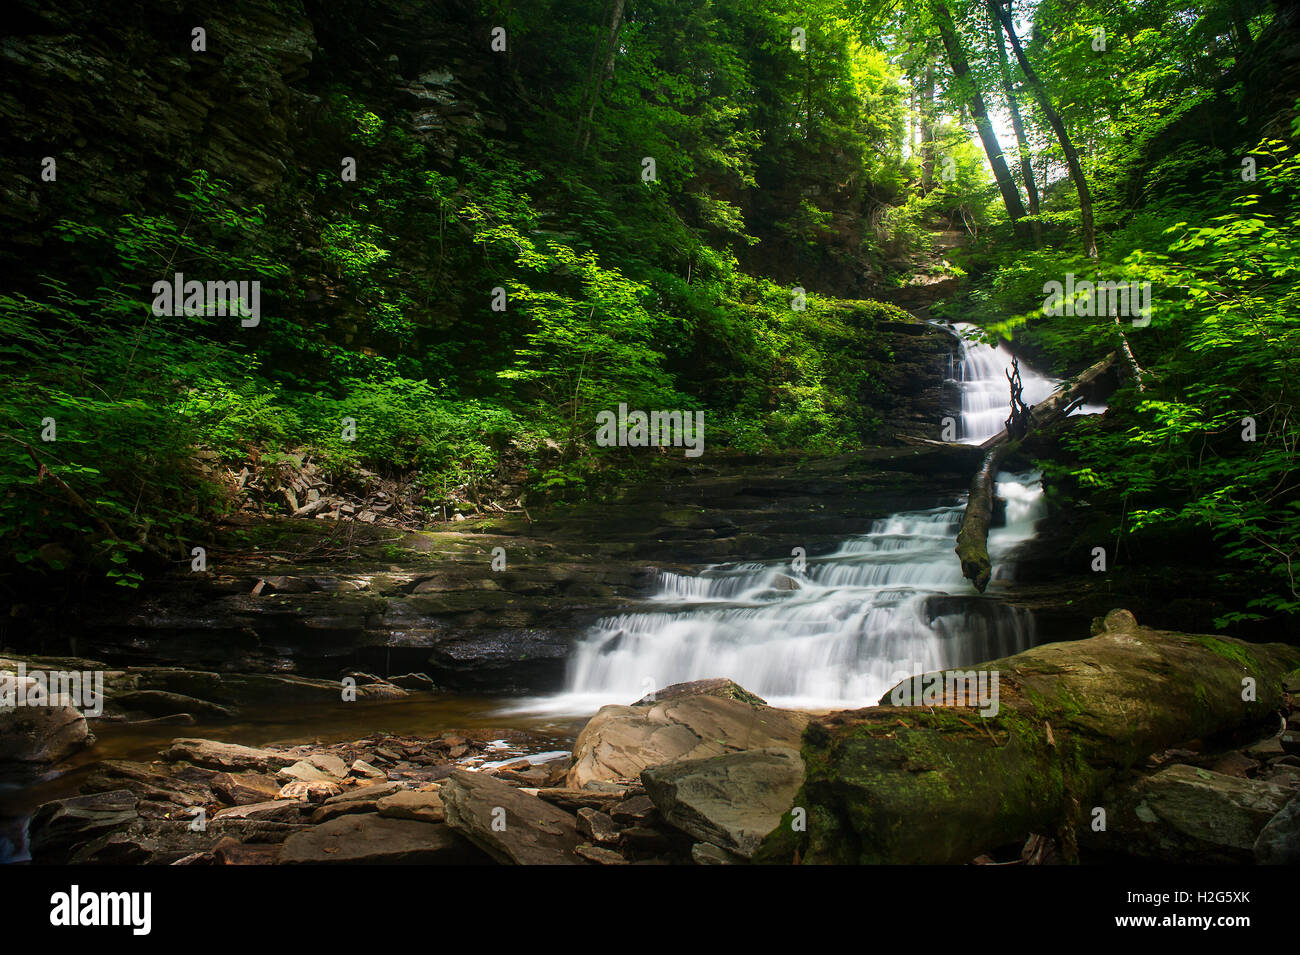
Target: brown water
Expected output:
[419,714]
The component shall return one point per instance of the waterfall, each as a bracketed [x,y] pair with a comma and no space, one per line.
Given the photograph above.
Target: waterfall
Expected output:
[843,628]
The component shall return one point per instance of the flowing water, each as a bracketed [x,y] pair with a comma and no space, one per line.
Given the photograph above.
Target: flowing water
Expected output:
[842,628]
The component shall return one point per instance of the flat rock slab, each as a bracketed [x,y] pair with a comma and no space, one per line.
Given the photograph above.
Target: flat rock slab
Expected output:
[730,801]
[621,741]
[372,840]
[411,804]
[509,825]
[214,755]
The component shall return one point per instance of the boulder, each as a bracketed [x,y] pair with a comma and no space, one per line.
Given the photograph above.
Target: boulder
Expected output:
[44,733]
[507,824]
[316,790]
[1278,842]
[621,741]
[374,840]
[214,755]
[732,801]
[1184,814]
[58,827]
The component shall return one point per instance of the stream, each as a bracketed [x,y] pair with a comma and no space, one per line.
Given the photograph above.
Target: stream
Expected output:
[827,631]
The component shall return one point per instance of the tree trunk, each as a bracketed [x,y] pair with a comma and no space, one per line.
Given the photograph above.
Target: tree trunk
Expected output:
[927,126]
[979,113]
[935,782]
[607,69]
[1058,127]
[973,535]
[972,538]
[1017,121]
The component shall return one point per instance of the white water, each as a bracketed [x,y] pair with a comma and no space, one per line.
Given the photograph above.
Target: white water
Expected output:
[878,609]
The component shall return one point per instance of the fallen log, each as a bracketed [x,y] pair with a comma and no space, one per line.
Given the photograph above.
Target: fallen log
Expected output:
[972,537]
[1064,400]
[932,781]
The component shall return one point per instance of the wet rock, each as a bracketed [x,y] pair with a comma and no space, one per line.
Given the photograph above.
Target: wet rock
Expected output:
[57,828]
[214,755]
[722,689]
[509,825]
[163,703]
[44,733]
[1184,814]
[731,801]
[374,840]
[1278,842]
[621,741]
[165,842]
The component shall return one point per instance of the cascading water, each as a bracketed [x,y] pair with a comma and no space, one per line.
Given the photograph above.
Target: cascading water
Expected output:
[849,625]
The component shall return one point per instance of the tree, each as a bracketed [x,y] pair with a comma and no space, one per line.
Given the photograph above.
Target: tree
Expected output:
[979,112]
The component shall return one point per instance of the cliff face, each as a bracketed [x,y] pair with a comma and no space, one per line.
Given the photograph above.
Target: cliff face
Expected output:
[117,95]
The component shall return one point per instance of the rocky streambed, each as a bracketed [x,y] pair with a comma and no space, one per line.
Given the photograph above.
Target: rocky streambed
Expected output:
[700,773]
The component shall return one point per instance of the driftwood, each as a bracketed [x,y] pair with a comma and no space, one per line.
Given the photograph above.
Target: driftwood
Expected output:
[934,781]
[972,538]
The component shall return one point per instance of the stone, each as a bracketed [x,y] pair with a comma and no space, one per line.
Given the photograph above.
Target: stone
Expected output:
[58,827]
[621,741]
[316,790]
[507,824]
[330,765]
[305,771]
[412,804]
[720,688]
[214,755]
[1235,764]
[634,810]
[374,840]
[600,855]
[359,799]
[229,851]
[1278,842]
[1184,814]
[163,703]
[276,810]
[44,733]
[412,681]
[238,789]
[706,853]
[363,770]
[597,826]
[732,801]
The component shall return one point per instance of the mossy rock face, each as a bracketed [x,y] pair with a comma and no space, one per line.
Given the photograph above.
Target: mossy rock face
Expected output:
[942,783]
